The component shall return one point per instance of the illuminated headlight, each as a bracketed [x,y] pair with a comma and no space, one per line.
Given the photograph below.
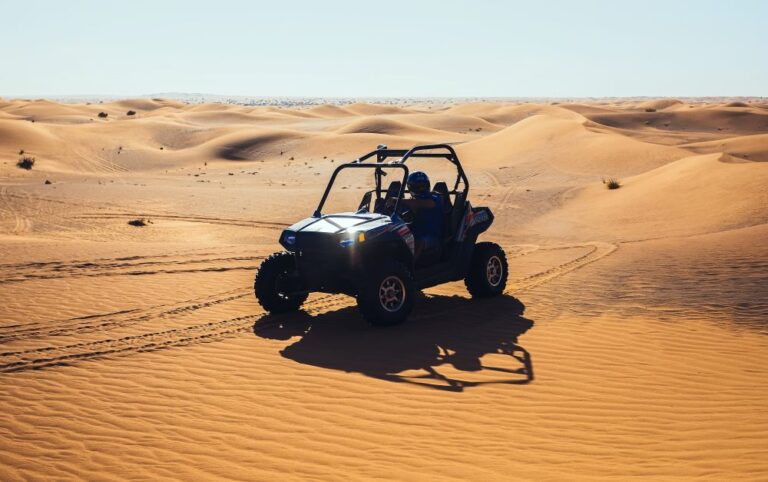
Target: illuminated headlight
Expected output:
[359,237]
[290,239]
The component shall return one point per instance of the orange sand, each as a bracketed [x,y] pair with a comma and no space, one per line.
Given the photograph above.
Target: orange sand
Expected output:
[632,341]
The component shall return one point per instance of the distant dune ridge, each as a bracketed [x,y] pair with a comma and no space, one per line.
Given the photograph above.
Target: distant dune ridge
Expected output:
[631,340]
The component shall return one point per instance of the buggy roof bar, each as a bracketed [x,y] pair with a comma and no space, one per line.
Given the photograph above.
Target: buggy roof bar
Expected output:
[382,153]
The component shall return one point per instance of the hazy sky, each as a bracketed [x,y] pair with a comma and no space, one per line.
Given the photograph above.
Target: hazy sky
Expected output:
[384,48]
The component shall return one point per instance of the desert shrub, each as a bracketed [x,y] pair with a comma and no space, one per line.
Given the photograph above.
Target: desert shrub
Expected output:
[26,162]
[650,110]
[612,183]
[103,115]
[131,112]
[140,222]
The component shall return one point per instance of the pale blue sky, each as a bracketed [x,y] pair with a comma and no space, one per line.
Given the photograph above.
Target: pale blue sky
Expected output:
[384,48]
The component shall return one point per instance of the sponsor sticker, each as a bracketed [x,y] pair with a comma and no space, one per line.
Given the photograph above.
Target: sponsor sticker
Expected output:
[405,233]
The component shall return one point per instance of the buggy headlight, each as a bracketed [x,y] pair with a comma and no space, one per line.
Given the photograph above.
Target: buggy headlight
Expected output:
[354,237]
[290,239]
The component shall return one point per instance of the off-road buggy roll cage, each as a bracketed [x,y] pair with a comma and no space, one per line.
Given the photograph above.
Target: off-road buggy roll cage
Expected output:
[382,153]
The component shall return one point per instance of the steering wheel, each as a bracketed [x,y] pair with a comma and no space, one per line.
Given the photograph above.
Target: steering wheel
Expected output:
[403,211]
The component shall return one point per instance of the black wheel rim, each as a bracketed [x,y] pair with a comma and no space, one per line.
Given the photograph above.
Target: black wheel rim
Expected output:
[494,270]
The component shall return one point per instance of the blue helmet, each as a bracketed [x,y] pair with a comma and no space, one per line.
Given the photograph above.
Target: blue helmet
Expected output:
[418,184]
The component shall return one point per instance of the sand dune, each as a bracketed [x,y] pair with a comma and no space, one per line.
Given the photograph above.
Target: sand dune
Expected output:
[747,148]
[373,109]
[269,143]
[694,195]
[147,104]
[450,122]
[386,126]
[331,111]
[567,145]
[709,119]
[631,341]
[661,104]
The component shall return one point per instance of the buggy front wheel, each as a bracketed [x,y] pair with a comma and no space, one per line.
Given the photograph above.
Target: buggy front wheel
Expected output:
[276,284]
[386,296]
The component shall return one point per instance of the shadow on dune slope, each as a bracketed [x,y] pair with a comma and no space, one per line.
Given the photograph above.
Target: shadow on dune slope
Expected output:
[439,347]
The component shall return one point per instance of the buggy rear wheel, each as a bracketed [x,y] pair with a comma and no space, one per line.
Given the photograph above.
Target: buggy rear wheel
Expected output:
[277,284]
[488,271]
[386,297]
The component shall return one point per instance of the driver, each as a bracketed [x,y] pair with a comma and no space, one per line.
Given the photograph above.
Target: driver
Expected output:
[427,207]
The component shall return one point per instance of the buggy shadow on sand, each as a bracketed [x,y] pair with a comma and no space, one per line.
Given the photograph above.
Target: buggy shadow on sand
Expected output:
[370,253]
[445,349]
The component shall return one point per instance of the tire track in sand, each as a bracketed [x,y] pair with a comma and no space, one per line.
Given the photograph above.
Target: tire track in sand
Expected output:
[128,266]
[21,224]
[106,321]
[217,330]
[248,223]
[38,358]
[597,251]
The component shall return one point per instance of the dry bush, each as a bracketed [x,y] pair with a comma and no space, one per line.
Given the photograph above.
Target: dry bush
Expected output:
[612,183]
[26,162]
[140,222]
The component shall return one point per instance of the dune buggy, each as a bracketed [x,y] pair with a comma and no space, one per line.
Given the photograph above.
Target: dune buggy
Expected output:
[370,253]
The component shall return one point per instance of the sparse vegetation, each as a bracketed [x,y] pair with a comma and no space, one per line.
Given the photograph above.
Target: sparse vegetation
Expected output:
[26,162]
[103,115]
[650,110]
[48,181]
[21,152]
[140,222]
[131,112]
[612,183]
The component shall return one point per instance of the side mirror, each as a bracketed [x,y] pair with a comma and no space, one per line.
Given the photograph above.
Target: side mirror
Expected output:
[365,202]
